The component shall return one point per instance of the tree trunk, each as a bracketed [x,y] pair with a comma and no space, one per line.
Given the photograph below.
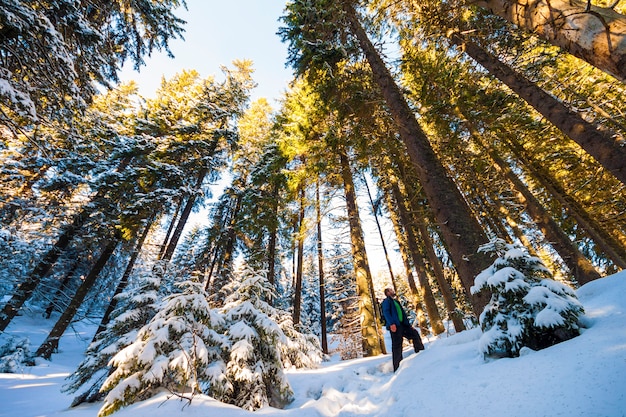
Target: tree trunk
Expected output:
[605,149]
[380,233]
[224,274]
[418,262]
[373,343]
[184,217]
[444,286]
[579,266]
[52,341]
[594,34]
[320,268]
[25,290]
[611,247]
[401,237]
[170,229]
[297,292]
[121,286]
[460,230]
[273,232]
[56,300]
[419,219]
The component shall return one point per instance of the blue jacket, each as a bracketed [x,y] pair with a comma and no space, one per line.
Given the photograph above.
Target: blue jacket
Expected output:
[391,313]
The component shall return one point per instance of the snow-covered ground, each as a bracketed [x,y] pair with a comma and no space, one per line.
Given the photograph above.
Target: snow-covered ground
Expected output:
[584,377]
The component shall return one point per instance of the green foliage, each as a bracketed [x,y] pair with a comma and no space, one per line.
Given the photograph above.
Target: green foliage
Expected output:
[15,354]
[254,367]
[136,306]
[90,44]
[526,309]
[236,354]
[172,351]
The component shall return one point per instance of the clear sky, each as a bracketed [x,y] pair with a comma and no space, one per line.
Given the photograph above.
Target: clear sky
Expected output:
[218,32]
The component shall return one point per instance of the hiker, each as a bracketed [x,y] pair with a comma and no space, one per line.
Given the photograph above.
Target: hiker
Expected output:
[398,324]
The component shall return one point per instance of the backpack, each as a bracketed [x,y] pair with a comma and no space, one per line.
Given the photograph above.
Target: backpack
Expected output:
[379,305]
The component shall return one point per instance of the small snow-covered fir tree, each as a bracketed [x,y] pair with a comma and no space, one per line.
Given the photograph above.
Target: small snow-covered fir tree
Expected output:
[527,308]
[136,306]
[172,352]
[15,354]
[300,350]
[254,369]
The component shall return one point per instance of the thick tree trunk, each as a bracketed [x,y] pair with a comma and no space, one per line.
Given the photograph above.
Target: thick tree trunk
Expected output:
[444,285]
[52,341]
[414,195]
[611,247]
[460,230]
[320,268]
[605,149]
[373,342]
[418,262]
[401,238]
[594,34]
[580,267]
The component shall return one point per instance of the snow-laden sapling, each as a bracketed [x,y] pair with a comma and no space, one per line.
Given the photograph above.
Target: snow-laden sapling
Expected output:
[15,354]
[527,308]
[171,352]
[136,306]
[254,369]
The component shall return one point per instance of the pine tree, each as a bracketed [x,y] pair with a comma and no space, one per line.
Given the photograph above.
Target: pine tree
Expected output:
[526,309]
[173,351]
[254,368]
[136,306]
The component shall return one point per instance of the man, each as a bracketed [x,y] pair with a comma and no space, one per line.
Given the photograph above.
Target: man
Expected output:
[399,326]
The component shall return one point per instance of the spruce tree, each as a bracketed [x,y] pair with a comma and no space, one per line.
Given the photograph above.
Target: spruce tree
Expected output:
[136,306]
[254,368]
[527,309]
[173,351]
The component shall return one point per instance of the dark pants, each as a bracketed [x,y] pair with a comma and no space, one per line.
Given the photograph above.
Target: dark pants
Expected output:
[397,338]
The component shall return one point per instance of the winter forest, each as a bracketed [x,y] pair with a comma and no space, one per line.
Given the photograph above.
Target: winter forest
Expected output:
[486,140]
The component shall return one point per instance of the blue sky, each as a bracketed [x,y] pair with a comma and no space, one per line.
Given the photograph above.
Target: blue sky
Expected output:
[218,32]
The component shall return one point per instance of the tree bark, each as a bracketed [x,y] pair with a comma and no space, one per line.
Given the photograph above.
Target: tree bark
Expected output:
[611,247]
[380,233]
[297,292]
[184,217]
[605,149]
[320,268]
[401,237]
[373,343]
[56,300]
[52,341]
[460,230]
[595,34]
[580,267]
[418,262]
[121,286]
[170,229]
[444,285]
[273,232]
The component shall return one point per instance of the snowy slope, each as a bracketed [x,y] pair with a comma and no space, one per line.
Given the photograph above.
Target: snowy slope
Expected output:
[585,376]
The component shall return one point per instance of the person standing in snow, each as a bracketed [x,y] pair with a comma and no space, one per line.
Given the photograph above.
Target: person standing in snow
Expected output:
[399,326]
